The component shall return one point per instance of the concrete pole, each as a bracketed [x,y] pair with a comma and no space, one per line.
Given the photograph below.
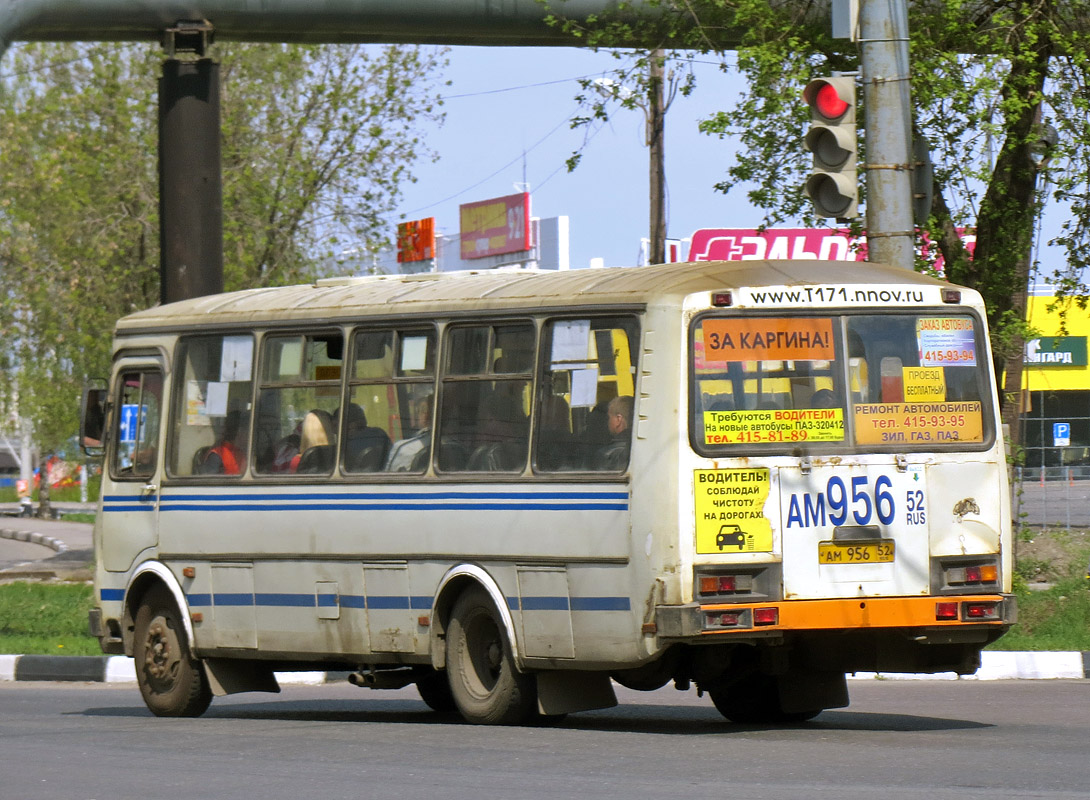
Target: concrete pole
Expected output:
[887,102]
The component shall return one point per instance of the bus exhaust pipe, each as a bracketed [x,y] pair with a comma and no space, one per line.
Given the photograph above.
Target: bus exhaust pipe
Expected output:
[392,679]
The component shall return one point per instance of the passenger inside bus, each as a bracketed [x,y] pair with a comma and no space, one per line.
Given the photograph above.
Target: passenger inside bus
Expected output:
[824,398]
[411,453]
[228,455]
[614,456]
[315,444]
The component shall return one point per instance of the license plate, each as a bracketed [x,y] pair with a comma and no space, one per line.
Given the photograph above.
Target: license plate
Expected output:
[855,552]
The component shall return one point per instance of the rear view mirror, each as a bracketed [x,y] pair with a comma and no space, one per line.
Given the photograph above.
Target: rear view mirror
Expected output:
[92,419]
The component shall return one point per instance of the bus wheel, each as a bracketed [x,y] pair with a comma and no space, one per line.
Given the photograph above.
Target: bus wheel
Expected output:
[435,691]
[756,700]
[172,682]
[484,683]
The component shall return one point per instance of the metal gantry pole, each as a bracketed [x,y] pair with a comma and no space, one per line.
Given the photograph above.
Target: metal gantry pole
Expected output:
[190,183]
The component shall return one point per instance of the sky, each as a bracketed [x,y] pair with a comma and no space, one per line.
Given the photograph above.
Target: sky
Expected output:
[504,101]
[507,100]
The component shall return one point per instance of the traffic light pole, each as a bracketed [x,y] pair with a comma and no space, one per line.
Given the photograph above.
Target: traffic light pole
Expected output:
[883,50]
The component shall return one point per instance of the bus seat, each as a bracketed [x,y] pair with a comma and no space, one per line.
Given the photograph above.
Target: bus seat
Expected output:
[200,458]
[317,460]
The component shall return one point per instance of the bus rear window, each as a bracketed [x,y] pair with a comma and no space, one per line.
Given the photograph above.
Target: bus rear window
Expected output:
[911,381]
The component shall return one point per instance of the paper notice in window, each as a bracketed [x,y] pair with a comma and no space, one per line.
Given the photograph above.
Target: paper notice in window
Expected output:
[571,341]
[215,399]
[237,361]
[584,388]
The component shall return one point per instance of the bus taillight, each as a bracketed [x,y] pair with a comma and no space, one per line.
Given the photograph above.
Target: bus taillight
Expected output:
[766,616]
[946,610]
[982,611]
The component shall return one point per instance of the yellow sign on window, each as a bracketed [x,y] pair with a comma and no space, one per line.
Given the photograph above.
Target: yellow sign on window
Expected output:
[924,384]
[729,505]
[774,426]
[918,423]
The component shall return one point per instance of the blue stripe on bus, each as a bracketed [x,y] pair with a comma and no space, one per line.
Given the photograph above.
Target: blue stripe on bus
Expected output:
[375,501]
[283,599]
[600,604]
[421,602]
[522,495]
[384,602]
[544,604]
[166,506]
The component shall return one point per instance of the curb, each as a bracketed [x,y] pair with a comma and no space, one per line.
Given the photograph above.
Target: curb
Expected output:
[51,542]
[114,669]
[995,665]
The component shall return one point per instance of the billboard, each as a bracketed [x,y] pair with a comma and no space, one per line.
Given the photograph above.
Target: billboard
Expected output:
[744,244]
[496,226]
[416,240]
[824,244]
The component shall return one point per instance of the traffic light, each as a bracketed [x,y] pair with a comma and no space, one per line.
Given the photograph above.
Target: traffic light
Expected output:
[832,186]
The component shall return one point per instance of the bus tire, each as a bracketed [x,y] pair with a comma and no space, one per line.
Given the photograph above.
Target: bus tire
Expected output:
[486,687]
[435,691]
[756,701]
[172,682]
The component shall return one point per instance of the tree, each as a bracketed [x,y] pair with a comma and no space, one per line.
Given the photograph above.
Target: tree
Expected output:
[317,142]
[987,79]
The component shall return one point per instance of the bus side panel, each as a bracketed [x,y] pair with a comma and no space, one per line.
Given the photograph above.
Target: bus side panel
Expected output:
[353,569]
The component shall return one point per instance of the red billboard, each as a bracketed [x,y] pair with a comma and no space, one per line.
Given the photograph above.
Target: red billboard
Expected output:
[496,226]
[416,240]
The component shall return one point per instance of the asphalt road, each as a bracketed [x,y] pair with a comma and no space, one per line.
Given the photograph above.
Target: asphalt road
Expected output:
[1053,503]
[899,740]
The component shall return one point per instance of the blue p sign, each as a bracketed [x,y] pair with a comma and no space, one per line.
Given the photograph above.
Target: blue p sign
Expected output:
[1061,434]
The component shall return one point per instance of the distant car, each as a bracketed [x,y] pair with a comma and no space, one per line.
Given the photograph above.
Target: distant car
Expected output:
[730,535]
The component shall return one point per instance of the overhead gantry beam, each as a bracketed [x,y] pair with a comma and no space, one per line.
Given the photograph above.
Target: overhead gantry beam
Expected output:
[453,22]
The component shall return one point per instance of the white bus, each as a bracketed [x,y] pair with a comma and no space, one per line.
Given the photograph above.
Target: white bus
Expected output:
[514,488]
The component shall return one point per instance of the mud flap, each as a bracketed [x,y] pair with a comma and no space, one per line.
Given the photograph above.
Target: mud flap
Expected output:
[231,676]
[812,691]
[565,691]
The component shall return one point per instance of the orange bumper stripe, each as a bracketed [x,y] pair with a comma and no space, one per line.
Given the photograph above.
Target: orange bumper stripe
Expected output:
[871,612]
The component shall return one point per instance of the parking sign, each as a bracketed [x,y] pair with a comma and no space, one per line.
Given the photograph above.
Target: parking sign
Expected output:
[1061,434]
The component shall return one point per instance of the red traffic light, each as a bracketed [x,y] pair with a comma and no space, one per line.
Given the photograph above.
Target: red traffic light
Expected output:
[828,103]
[828,98]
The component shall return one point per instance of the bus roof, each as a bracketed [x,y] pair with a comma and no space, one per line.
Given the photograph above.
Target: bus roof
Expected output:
[491,290]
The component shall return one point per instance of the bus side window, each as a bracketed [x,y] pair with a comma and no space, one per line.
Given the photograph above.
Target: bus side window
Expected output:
[299,403]
[136,433]
[589,363]
[213,396]
[484,424]
[391,391]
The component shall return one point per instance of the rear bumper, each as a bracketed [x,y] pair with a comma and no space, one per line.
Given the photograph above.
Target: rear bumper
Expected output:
[920,615]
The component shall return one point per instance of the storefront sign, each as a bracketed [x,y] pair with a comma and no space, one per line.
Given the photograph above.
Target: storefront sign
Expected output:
[1056,351]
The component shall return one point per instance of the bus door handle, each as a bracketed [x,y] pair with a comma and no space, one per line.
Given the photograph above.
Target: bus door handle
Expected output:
[149,491]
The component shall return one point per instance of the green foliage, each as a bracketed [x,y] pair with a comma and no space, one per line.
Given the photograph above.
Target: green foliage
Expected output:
[316,145]
[46,619]
[1054,619]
